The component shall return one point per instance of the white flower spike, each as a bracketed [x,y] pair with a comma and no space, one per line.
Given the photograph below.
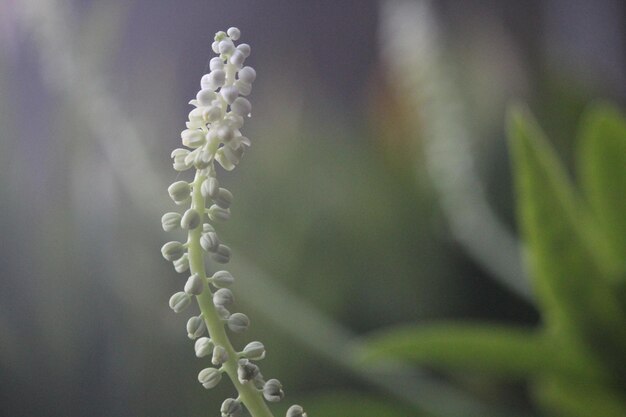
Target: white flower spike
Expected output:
[212,138]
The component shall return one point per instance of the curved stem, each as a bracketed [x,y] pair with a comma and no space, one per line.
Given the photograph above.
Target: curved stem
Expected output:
[248,393]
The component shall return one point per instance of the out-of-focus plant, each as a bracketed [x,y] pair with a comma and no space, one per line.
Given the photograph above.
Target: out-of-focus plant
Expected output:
[575,242]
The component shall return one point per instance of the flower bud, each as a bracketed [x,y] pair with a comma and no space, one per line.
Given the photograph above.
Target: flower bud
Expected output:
[207,227]
[209,242]
[182,264]
[172,250]
[230,93]
[179,301]
[203,159]
[194,285]
[295,411]
[241,106]
[244,48]
[219,355]
[206,96]
[237,58]
[247,75]
[222,279]
[255,351]
[222,255]
[243,87]
[193,138]
[209,377]
[238,322]
[190,220]
[224,198]
[233,33]
[223,297]
[217,213]
[216,63]
[222,312]
[170,221]
[203,347]
[246,371]
[231,408]
[213,80]
[211,114]
[195,327]
[273,391]
[209,187]
[226,47]
[179,156]
[179,192]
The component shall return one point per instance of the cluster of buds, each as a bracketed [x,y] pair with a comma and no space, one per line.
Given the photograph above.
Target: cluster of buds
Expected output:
[213,135]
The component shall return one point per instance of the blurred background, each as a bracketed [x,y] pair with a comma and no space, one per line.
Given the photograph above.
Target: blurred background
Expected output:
[377,190]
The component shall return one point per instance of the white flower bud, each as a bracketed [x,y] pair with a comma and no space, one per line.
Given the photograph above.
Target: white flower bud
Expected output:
[241,106]
[205,96]
[190,220]
[237,58]
[212,114]
[247,75]
[229,93]
[226,47]
[213,80]
[244,48]
[238,322]
[243,87]
[222,312]
[195,118]
[224,198]
[222,255]
[172,250]
[255,351]
[179,156]
[195,327]
[206,228]
[216,63]
[181,265]
[273,391]
[215,46]
[210,187]
[295,411]
[170,221]
[193,138]
[217,213]
[220,355]
[203,347]
[226,163]
[233,33]
[222,279]
[179,192]
[231,408]
[209,242]
[223,297]
[194,285]
[246,370]
[209,377]
[179,301]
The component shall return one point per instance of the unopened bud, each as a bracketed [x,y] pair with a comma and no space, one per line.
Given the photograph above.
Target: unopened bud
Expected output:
[220,355]
[194,285]
[195,327]
[273,390]
[172,250]
[179,301]
[179,191]
[203,347]
[222,255]
[190,220]
[246,371]
[216,213]
[222,279]
[209,242]
[182,264]
[223,297]
[238,322]
[254,351]
[224,198]
[231,408]
[209,187]
[170,221]
[296,411]
[209,377]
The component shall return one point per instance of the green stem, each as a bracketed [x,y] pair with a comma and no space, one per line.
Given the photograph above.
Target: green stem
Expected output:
[248,393]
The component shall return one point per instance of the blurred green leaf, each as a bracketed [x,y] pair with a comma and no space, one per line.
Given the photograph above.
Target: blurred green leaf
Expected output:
[348,404]
[568,273]
[578,398]
[602,167]
[497,349]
